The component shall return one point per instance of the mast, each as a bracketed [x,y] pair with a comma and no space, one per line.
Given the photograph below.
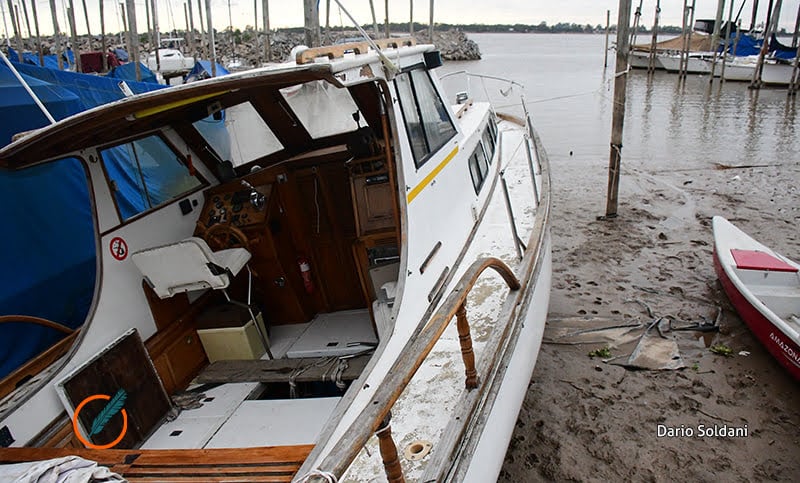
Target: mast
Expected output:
[618,116]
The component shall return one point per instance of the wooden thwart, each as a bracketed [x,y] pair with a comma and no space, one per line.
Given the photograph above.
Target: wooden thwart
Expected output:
[273,464]
[337,51]
[279,370]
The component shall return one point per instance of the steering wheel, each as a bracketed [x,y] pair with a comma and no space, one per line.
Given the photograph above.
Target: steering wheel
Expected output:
[222,236]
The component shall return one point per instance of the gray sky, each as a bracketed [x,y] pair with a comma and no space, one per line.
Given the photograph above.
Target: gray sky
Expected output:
[286,13]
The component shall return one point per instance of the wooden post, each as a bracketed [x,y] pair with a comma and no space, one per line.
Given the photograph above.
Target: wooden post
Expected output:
[430,24]
[188,35]
[391,462]
[618,116]
[311,22]
[211,40]
[76,51]
[386,9]
[133,38]
[772,24]
[38,37]
[689,30]
[56,33]
[411,18]
[15,26]
[122,9]
[328,20]
[467,354]
[104,55]
[255,30]
[727,41]
[608,30]
[203,40]
[794,85]
[374,19]
[192,45]
[651,64]
[267,42]
[796,28]
[715,37]
[27,18]
[149,25]
[88,27]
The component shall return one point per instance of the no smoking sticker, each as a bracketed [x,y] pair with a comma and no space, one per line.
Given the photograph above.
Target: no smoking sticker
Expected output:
[119,249]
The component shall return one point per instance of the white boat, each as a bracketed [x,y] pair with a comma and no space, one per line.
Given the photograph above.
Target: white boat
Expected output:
[764,288]
[169,62]
[639,59]
[330,225]
[743,69]
[697,63]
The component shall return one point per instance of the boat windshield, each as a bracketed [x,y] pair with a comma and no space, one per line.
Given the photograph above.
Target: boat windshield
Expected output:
[323,109]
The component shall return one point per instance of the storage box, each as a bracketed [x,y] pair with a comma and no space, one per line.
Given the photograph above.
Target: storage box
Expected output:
[228,333]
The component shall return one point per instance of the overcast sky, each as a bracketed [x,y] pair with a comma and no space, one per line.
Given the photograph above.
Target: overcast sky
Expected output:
[285,13]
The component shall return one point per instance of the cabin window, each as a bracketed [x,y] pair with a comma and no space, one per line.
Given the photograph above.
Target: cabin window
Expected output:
[493,127]
[144,174]
[478,168]
[488,143]
[427,121]
[238,134]
[324,109]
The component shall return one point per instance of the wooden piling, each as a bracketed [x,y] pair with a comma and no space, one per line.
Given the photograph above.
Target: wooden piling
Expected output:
[15,26]
[727,42]
[637,15]
[411,18]
[267,42]
[211,41]
[148,24]
[76,50]
[608,28]
[374,18]
[794,85]
[430,24]
[796,28]
[38,36]
[133,38]
[618,116]
[753,16]
[103,37]
[88,26]
[311,22]
[27,18]
[386,10]
[56,33]
[192,45]
[203,40]
[651,63]
[156,34]
[715,38]
[771,25]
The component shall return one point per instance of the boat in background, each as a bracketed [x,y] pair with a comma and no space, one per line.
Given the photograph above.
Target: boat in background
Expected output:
[764,288]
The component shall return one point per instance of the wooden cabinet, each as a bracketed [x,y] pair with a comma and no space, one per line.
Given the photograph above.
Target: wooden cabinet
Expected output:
[372,196]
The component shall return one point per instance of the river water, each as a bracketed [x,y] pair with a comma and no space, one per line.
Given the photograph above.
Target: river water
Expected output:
[668,125]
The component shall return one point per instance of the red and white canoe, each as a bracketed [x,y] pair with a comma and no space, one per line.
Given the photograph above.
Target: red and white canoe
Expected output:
[764,287]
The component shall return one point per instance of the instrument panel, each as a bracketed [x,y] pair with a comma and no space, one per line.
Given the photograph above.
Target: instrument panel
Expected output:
[234,207]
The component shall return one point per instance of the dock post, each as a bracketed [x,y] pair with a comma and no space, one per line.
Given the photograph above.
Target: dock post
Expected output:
[311,22]
[38,36]
[794,85]
[267,43]
[133,38]
[651,63]
[386,8]
[727,41]
[715,37]
[430,25]
[618,116]
[17,36]
[211,41]
[608,27]
[374,18]
[771,26]
[103,37]
[73,31]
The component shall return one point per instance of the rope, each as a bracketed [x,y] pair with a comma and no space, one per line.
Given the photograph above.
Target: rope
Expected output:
[327,475]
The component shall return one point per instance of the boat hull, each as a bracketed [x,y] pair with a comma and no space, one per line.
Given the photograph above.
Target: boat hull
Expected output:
[759,319]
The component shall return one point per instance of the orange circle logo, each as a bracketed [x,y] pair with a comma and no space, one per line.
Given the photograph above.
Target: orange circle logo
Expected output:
[84,440]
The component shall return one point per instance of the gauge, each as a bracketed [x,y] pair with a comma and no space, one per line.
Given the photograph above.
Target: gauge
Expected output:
[237,207]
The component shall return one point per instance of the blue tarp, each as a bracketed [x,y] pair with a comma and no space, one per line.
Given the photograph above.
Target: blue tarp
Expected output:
[127,72]
[50,61]
[202,70]
[48,254]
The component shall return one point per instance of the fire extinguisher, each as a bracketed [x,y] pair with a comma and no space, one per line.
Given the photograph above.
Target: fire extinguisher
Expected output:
[305,273]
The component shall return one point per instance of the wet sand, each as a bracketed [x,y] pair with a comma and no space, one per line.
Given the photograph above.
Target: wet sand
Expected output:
[588,420]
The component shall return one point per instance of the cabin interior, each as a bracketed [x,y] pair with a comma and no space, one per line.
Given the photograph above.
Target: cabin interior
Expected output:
[305,181]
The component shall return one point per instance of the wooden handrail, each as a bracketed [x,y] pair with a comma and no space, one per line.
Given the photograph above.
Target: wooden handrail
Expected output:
[29,319]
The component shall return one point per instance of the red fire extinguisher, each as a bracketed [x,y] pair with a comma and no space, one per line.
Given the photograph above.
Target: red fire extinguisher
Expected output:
[305,272]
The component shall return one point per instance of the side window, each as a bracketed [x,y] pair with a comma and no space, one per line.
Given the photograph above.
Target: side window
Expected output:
[478,168]
[145,173]
[488,143]
[426,117]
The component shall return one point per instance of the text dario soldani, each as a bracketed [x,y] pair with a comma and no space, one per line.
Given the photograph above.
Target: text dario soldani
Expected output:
[701,431]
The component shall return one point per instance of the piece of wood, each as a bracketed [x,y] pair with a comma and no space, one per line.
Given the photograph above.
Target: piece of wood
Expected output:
[388,448]
[278,370]
[278,463]
[36,365]
[467,354]
[331,51]
[165,311]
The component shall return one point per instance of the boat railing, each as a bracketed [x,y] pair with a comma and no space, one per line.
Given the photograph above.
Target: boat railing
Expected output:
[495,90]
[481,379]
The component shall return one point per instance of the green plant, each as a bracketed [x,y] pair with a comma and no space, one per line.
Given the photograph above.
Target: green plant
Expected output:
[721,349]
[605,353]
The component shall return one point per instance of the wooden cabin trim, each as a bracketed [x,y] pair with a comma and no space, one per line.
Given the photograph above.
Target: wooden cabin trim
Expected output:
[269,463]
[36,365]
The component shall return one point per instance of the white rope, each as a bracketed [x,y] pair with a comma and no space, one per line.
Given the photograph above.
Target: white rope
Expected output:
[327,475]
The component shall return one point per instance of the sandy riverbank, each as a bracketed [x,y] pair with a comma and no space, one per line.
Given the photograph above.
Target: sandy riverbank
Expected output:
[586,420]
